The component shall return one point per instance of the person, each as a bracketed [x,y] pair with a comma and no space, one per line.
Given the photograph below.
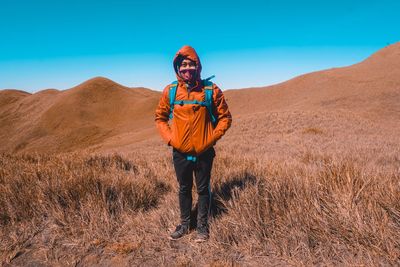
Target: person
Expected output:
[194,129]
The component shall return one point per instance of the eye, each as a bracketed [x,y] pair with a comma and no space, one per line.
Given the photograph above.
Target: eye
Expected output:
[188,64]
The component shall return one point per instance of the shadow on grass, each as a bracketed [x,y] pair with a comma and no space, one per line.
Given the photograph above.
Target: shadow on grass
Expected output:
[224,193]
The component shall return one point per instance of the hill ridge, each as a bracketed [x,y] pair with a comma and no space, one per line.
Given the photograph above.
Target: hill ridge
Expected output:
[103,113]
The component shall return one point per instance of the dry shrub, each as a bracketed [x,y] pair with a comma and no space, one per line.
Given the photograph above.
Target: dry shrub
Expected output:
[82,196]
[281,197]
[330,211]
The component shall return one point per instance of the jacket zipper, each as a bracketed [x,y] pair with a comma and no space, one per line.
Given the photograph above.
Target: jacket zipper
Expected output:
[190,119]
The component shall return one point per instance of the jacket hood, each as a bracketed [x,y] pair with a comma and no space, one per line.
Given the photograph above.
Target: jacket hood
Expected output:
[186,52]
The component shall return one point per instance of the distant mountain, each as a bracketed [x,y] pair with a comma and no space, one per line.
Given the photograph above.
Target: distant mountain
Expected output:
[54,121]
[102,114]
[370,88]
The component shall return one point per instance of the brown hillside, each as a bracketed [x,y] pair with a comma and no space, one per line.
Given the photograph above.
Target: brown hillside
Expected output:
[308,175]
[9,96]
[102,115]
[371,87]
[52,120]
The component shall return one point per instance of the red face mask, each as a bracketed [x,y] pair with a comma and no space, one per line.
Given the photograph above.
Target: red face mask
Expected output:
[188,75]
[187,70]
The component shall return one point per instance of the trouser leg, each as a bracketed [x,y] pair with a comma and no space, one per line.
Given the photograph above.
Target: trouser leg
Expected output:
[184,174]
[203,176]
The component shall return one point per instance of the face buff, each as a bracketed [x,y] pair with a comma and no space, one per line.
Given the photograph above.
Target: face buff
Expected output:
[187,70]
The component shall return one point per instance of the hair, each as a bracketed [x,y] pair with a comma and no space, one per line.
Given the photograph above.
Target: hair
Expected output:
[178,62]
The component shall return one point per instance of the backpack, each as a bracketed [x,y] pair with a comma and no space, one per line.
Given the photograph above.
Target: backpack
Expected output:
[208,102]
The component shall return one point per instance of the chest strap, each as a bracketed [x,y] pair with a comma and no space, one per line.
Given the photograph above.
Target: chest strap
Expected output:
[208,103]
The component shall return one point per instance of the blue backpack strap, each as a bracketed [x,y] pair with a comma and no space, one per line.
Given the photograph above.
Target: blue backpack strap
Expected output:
[208,91]
[208,103]
[172,95]
[184,102]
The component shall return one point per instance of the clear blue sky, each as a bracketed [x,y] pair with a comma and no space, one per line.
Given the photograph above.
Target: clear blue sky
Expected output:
[58,44]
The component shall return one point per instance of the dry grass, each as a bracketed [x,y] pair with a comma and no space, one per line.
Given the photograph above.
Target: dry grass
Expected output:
[85,198]
[313,130]
[281,197]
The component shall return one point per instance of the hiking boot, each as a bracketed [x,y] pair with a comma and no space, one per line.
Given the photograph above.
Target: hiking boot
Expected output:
[180,231]
[202,235]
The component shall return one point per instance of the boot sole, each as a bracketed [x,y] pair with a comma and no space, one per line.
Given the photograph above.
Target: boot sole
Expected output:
[174,239]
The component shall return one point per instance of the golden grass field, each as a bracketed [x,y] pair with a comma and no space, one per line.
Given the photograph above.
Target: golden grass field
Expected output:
[314,181]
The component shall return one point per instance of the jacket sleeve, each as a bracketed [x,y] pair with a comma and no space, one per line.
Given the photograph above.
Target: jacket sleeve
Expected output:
[162,116]
[222,113]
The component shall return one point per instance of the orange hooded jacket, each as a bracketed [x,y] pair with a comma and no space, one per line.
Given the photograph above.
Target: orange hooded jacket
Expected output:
[191,130]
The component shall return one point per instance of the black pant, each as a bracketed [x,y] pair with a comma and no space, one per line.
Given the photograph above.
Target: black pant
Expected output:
[184,172]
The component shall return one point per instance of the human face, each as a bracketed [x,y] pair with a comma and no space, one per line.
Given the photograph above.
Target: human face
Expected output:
[188,69]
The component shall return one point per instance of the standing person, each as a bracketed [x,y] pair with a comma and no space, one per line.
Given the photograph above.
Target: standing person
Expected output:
[199,118]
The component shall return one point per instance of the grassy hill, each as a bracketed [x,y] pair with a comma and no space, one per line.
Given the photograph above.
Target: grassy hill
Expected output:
[307,175]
